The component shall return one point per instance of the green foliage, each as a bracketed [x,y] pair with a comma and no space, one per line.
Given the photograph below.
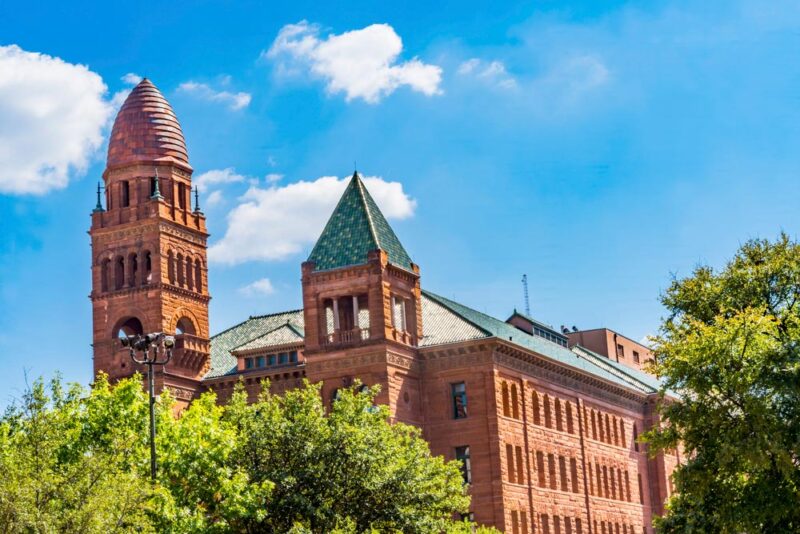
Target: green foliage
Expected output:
[731,348]
[78,461]
[72,463]
[348,470]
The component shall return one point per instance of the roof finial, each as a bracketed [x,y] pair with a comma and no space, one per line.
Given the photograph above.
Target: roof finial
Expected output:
[196,200]
[156,191]
[99,207]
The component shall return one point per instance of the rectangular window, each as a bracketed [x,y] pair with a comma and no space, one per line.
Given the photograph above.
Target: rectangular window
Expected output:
[551,471]
[635,356]
[462,454]
[545,524]
[540,468]
[293,356]
[620,351]
[459,394]
[510,463]
[523,520]
[182,196]
[125,199]
[272,359]
[573,467]
[283,358]
[153,186]
[514,522]
[248,363]
[260,361]
[520,472]
[399,314]
[557,524]
[562,470]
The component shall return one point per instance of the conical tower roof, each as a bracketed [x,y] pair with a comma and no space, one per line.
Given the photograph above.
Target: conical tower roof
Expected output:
[355,228]
[146,130]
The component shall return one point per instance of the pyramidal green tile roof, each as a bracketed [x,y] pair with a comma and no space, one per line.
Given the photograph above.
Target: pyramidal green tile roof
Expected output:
[356,227]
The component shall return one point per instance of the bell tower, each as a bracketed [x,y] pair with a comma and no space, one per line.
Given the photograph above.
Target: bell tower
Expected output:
[362,306]
[149,246]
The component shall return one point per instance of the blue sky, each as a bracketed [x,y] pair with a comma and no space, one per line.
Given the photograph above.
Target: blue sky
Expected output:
[599,147]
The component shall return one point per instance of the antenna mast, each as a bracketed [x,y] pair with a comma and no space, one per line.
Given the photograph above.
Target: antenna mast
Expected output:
[525,290]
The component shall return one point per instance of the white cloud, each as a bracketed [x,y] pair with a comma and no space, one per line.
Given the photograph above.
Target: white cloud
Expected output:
[492,71]
[360,63]
[52,117]
[234,101]
[275,223]
[576,76]
[273,177]
[216,177]
[131,78]
[214,198]
[260,287]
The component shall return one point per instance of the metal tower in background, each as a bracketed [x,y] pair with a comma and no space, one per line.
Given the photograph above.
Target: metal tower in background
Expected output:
[525,289]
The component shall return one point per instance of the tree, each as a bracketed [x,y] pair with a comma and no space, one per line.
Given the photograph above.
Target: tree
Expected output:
[73,463]
[730,348]
[347,470]
[73,460]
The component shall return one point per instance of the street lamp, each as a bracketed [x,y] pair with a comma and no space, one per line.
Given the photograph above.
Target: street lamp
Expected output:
[156,349]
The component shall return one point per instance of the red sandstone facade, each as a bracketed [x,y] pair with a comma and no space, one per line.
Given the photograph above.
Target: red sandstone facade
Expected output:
[547,433]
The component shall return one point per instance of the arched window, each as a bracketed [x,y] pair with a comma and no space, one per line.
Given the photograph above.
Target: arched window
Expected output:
[594,426]
[189,274]
[559,424]
[129,326]
[181,272]
[506,408]
[147,277]
[198,276]
[622,432]
[105,272]
[185,326]
[615,430]
[133,268]
[608,429]
[514,402]
[119,272]
[548,422]
[535,403]
[171,267]
[570,425]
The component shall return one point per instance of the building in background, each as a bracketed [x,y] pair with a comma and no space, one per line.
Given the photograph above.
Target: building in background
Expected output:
[613,346]
[545,426]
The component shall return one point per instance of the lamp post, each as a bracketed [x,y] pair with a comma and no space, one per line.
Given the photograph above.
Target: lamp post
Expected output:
[156,349]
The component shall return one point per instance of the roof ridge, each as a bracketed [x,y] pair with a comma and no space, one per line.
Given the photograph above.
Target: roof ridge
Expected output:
[370,222]
[268,332]
[602,361]
[254,317]
[330,221]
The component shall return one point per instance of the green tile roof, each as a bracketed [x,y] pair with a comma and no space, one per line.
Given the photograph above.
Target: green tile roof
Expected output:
[223,362]
[443,321]
[283,335]
[496,328]
[355,228]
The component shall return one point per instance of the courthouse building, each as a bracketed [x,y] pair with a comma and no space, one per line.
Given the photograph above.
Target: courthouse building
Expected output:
[545,421]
